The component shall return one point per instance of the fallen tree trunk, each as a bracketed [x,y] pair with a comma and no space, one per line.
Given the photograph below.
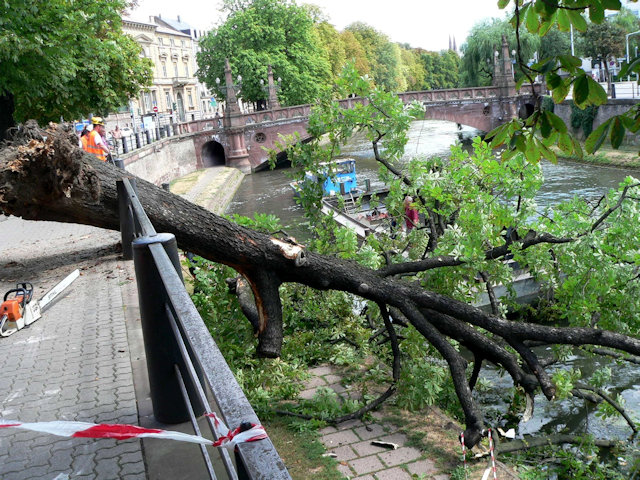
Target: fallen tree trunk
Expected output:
[54,180]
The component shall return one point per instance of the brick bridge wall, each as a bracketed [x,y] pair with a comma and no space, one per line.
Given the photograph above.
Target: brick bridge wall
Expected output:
[615,106]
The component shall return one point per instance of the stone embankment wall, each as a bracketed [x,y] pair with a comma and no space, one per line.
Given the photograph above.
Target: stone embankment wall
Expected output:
[162,161]
[605,112]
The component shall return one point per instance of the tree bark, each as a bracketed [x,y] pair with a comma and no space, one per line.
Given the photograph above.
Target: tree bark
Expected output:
[54,180]
[6,114]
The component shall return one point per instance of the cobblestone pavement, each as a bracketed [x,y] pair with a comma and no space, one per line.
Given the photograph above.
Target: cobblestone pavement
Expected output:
[72,364]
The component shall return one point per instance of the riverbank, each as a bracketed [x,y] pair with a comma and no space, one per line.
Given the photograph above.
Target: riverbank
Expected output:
[627,156]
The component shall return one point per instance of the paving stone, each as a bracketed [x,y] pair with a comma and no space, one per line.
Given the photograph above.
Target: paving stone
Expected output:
[393,474]
[441,477]
[349,424]
[345,470]
[307,394]
[367,432]
[327,430]
[400,456]
[365,448]
[344,453]
[315,382]
[366,464]
[365,477]
[322,370]
[422,467]
[339,438]
[397,438]
[336,387]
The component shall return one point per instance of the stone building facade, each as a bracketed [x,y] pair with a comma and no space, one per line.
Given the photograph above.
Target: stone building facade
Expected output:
[175,95]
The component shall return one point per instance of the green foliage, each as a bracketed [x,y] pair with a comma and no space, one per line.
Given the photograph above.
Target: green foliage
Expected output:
[62,58]
[260,33]
[583,118]
[548,104]
[485,38]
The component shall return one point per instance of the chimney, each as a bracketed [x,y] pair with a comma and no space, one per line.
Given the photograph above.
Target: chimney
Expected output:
[178,18]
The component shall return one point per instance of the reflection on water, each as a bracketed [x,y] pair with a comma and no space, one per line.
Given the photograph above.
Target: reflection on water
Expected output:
[269,192]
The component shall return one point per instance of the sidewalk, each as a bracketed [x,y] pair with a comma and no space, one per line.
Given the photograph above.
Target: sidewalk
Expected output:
[75,363]
[84,359]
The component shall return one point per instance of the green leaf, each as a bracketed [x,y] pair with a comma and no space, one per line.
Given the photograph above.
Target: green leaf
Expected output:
[532,152]
[581,90]
[577,20]
[565,144]
[532,21]
[617,132]
[611,4]
[548,154]
[564,24]
[556,122]
[545,125]
[503,3]
[560,92]
[597,94]
[569,61]
[594,141]
[633,66]
[577,148]
[553,80]
[596,12]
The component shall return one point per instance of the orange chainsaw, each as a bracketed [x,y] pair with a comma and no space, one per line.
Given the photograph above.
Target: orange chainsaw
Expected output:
[18,310]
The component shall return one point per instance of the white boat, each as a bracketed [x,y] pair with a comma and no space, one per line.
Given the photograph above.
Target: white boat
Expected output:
[363,212]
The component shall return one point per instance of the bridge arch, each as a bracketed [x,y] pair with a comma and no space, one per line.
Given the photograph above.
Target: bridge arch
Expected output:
[212,154]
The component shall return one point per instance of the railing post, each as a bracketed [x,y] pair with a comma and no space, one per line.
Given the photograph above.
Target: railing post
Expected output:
[161,348]
[125,144]
[127,225]
[148,134]
[138,142]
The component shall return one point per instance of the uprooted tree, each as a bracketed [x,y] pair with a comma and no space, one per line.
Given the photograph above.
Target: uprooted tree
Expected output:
[466,203]
[479,210]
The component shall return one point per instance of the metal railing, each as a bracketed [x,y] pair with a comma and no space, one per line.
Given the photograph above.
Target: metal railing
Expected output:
[183,360]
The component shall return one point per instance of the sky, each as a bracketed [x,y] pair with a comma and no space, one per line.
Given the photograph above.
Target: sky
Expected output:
[420,23]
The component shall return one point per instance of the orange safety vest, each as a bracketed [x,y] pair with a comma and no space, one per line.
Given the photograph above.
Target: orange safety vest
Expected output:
[92,147]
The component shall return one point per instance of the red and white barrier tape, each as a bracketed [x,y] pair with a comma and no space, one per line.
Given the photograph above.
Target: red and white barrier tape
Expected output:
[124,432]
[493,458]
[464,454]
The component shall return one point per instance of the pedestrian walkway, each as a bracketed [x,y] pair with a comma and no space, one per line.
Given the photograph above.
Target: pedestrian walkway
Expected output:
[75,362]
[213,189]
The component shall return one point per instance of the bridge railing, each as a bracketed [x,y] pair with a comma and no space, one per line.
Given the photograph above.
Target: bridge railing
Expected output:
[183,360]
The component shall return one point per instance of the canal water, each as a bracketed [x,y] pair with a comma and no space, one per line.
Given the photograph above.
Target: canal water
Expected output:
[269,192]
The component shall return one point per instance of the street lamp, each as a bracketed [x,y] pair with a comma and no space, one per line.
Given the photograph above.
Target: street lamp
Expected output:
[627,42]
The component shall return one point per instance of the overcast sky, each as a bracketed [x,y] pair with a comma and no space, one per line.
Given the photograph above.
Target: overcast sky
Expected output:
[420,23]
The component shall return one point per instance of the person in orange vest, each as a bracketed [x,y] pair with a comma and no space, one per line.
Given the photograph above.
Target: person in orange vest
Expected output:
[95,143]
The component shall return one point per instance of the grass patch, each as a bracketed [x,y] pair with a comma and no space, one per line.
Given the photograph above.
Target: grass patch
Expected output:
[627,156]
[301,452]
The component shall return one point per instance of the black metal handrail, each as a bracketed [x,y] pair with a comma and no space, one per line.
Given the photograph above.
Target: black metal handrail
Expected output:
[182,357]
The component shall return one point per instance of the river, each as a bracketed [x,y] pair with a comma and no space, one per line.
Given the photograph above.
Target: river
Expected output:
[269,192]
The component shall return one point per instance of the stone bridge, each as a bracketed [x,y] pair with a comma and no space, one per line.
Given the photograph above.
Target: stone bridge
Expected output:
[241,139]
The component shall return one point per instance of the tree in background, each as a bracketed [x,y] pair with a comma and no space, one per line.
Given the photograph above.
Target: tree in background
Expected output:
[555,43]
[604,42]
[355,53]
[332,46]
[381,55]
[65,59]
[442,70]
[260,33]
[485,38]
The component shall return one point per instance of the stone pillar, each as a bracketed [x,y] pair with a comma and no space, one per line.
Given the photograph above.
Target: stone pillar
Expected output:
[273,95]
[233,122]
[503,71]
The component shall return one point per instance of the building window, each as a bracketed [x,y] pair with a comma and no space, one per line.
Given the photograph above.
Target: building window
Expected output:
[147,101]
[182,43]
[173,44]
[161,40]
[186,69]
[154,98]
[175,69]
[190,97]
[164,69]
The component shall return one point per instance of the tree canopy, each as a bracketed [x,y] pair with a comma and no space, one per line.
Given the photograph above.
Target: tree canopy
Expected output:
[262,33]
[64,59]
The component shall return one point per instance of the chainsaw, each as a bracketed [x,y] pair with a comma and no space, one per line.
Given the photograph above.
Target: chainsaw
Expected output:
[18,310]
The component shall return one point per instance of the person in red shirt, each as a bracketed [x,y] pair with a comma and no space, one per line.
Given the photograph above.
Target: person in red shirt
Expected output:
[410,213]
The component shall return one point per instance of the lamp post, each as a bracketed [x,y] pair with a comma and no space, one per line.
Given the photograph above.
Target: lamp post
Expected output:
[627,42]
[271,89]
